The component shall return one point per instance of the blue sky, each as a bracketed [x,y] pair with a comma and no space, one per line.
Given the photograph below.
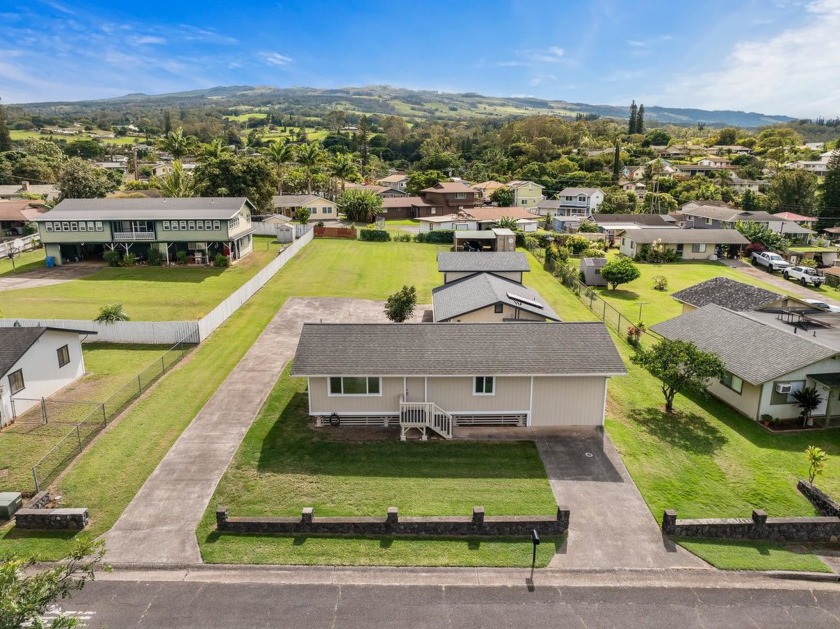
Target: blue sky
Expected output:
[772,56]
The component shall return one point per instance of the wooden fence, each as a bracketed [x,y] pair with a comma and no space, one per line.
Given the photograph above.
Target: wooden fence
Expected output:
[335,232]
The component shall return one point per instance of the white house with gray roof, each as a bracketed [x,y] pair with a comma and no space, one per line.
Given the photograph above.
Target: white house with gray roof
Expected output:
[434,378]
[767,359]
[83,229]
[689,244]
[579,201]
[485,297]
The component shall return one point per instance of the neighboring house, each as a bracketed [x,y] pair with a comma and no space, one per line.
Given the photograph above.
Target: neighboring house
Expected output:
[590,269]
[693,170]
[320,209]
[452,196]
[457,265]
[14,215]
[83,229]
[34,364]
[448,221]
[548,207]
[814,146]
[611,225]
[817,167]
[765,361]
[438,377]
[526,194]
[731,149]
[386,192]
[690,244]
[742,185]
[718,215]
[488,298]
[493,239]
[487,188]
[579,201]
[397,181]
[735,296]
[120,167]
[19,192]
[400,208]
[680,151]
[714,160]
[488,216]
[805,221]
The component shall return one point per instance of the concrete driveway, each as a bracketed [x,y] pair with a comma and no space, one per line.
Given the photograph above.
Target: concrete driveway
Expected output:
[48,277]
[827,295]
[611,527]
[158,526]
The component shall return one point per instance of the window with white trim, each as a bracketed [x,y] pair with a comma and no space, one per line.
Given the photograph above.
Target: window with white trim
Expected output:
[91,226]
[484,385]
[16,383]
[48,226]
[355,385]
[166,226]
[217,225]
[99,227]
[191,226]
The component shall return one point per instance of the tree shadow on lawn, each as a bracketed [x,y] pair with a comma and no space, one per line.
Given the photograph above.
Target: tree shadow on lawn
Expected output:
[618,293]
[292,447]
[687,431]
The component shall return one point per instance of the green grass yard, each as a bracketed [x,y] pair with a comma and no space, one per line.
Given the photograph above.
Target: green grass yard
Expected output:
[737,555]
[27,261]
[283,465]
[147,293]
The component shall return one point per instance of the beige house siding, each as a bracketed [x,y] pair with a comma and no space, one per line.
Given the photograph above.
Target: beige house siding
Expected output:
[455,395]
[745,403]
[790,411]
[629,248]
[451,276]
[321,403]
[571,401]
[527,196]
[488,314]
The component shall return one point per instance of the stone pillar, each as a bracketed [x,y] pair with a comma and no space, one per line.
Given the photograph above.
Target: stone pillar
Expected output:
[221,518]
[759,517]
[306,516]
[669,522]
[393,517]
[478,516]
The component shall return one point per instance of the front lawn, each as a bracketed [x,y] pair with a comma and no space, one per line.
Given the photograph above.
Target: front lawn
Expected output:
[26,261]
[737,555]
[284,465]
[148,293]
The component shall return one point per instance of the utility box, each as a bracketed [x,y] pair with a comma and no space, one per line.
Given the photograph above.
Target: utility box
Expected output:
[10,501]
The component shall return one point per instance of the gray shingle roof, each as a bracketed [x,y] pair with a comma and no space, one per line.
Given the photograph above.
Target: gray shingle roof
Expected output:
[687,236]
[728,293]
[218,208]
[482,290]
[652,220]
[465,349]
[297,200]
[574,191]
[482,261]
[752,350]
[14,343]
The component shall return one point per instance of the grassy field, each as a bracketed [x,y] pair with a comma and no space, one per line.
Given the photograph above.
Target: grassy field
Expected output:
[147,293]
[35,135]
[110,472]
[27,261]
[109,368]
[283,465]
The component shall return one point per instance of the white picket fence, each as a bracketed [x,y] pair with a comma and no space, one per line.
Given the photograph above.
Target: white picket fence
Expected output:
[26,243]
[170,332]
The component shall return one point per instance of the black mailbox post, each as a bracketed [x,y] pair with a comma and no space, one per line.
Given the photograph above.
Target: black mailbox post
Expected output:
[535,540]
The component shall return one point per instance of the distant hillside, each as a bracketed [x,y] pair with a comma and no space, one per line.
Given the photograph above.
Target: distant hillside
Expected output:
[391,100]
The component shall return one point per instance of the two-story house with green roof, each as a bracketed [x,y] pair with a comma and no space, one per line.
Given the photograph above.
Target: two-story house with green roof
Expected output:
[84,229]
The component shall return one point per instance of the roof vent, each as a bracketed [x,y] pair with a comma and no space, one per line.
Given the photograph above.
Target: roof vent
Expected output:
[524,300]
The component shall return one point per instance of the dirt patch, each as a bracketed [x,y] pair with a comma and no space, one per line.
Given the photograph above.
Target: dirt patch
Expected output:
[361,433]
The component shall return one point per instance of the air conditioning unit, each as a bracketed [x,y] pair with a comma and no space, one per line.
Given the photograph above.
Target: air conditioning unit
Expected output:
[783,387]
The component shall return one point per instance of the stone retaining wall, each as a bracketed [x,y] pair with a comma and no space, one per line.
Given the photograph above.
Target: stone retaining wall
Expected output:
[446,526]
[821,501]
[759,527]
[52,519]
[39,500]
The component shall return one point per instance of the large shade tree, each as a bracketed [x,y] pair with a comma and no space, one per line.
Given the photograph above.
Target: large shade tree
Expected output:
[234,176]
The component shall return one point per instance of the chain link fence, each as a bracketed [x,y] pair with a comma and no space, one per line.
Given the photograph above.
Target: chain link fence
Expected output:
[87,419]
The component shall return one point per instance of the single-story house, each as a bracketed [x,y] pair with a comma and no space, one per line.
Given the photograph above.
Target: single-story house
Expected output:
[14,215]
[690,244]
[733,295]
[386,192]
[320,209]
[34,364]
[488,298]
[489,215]
[456,265]
[447,221]
[590,269]
[550,207]
[397,208]
[718,215]
[613,224]
[766,360]
[438,377]
[79,229]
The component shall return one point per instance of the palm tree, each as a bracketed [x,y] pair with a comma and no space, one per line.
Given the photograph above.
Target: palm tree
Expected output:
[178,183]
[111,313]
[178,144]
[279,154]
[343,167]
[310,156]
[214,150]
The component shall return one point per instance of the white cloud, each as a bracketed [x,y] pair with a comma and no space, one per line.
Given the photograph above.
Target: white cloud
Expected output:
[795,72]
[512,64]
[552,54]
[276,59]
[147,39]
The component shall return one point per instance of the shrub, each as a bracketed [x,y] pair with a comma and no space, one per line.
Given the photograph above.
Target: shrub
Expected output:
[155,259]
[593,252]
[374,235]
[403,237]
[660,282]
[129,259]
[319,224]
[656,254]
[440,237]
[809,262]
[520,239]
[182,257]
[112,257]
[221,261]
[577,244]
[563,254]
[755,247]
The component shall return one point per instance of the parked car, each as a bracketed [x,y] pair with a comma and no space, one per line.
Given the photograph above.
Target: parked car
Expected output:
[821,305]
[804,275]
[771,261]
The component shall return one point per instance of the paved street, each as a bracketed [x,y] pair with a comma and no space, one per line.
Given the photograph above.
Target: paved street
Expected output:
[158,526]
[611,526]
[149,603]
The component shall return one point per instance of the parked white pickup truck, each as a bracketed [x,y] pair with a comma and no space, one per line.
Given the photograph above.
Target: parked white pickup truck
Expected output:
[772,261]
[804,275]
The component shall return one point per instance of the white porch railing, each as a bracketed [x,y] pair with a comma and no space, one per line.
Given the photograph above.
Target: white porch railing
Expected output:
[134,236]
[424,415]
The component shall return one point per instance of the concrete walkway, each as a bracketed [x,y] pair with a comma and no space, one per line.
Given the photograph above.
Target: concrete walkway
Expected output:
[611,527]
[158,526]
[48,277]
[777,280]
